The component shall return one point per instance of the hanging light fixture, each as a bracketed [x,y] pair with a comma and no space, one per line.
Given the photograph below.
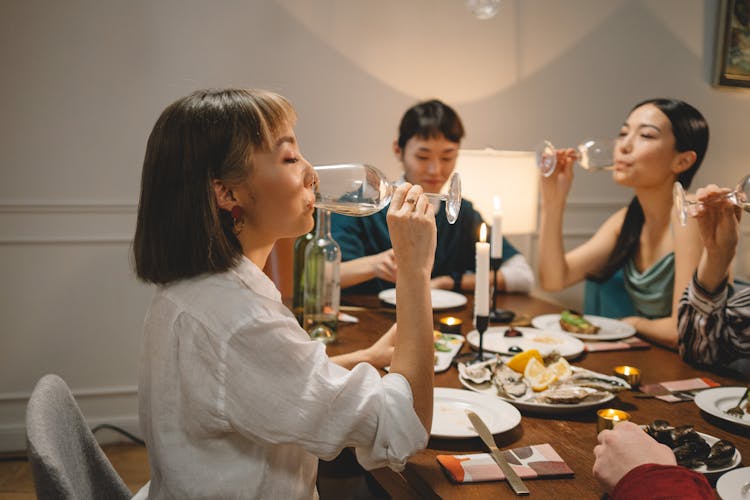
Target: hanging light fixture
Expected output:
[483,9]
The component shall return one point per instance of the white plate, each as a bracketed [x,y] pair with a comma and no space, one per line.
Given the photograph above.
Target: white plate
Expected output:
[715,401]
[729,486]
[609,329]
[734,463]
[443,359]
[489,390]
[544,341]
[449,418]
[441,299]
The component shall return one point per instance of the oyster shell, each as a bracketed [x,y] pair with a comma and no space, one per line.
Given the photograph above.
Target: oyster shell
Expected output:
[586,378]
[509,383]
[477,373]
[569,394]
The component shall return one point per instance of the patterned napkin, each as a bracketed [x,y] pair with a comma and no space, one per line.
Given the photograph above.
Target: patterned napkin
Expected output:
[619,345]
[529,462]
[679,390]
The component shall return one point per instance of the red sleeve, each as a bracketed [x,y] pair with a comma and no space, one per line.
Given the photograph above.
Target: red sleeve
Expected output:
[652,482]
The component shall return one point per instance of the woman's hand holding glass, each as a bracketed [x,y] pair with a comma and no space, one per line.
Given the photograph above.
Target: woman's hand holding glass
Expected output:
[717,217]
[411,224]
[556,186]
[718,224]
[739,197]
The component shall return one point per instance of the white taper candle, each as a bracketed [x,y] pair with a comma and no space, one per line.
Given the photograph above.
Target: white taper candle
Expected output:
[482,282]
[497,229]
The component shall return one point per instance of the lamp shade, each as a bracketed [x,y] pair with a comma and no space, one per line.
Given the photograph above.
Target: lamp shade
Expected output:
[511,175]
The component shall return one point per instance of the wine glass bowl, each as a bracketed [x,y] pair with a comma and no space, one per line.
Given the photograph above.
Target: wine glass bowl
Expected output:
[739,197]
[358,190]
[591,154]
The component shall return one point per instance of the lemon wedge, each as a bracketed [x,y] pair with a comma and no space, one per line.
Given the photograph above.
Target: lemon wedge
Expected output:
[534,369]
[538,376]
[543,381]
[521,360]
[561,369]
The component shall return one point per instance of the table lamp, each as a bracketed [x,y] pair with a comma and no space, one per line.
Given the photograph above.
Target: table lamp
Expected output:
[509,179]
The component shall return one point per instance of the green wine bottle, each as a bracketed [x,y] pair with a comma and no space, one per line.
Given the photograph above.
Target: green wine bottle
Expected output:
[298,285]
[322,284]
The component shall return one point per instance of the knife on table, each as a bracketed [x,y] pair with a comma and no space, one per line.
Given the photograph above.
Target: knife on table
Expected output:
[484,433]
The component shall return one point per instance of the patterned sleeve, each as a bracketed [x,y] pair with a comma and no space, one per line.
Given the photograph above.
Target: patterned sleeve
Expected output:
[713,328]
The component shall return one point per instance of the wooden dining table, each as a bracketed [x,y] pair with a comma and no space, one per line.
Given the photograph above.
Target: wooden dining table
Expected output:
[573,436]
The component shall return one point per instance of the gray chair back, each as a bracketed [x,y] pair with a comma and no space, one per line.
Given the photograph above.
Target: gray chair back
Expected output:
[66,461]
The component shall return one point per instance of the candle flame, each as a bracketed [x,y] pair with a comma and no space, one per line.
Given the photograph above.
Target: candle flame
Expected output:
[483,233]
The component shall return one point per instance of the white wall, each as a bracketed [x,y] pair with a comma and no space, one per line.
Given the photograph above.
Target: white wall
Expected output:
[83,82]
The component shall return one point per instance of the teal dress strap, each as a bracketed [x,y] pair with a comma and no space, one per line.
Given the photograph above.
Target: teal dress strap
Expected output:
[651,291]
[608,298]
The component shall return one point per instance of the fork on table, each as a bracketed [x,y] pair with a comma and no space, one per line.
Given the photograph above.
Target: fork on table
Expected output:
[737,411]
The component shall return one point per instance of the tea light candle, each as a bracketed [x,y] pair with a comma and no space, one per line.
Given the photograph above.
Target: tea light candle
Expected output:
[609,417]
[450,324]
[629,374]
[482,275]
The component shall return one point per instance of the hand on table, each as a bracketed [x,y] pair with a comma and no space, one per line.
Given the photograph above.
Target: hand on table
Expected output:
[380,353]
[624,448]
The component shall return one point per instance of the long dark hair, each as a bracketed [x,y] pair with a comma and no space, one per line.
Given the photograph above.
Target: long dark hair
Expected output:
[430,119]
[207,135]
[690,131]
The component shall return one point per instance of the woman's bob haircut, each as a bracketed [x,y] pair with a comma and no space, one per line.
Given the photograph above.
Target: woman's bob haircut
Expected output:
[208,135]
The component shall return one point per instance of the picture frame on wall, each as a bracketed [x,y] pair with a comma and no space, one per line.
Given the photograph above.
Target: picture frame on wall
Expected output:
[732,60]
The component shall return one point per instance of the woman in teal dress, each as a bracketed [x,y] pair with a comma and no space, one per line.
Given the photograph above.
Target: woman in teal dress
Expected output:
[660,142]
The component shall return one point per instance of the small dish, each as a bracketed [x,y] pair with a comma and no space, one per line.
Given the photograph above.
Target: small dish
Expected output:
[610,329]
[719,399]
[449,419]
[441,299]
[734,484]
[544,341]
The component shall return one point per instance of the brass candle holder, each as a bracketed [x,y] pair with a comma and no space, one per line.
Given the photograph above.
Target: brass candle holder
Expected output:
[629,374]
[450,324]
[607,418]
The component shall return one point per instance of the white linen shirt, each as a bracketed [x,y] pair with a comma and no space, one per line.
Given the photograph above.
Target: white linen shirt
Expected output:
[235,400]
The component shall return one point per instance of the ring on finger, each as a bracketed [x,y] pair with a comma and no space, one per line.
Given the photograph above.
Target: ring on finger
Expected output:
[411,201]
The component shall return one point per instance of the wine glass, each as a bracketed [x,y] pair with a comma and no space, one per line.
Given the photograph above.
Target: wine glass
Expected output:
[740,197]
[358,189]
[592,154]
